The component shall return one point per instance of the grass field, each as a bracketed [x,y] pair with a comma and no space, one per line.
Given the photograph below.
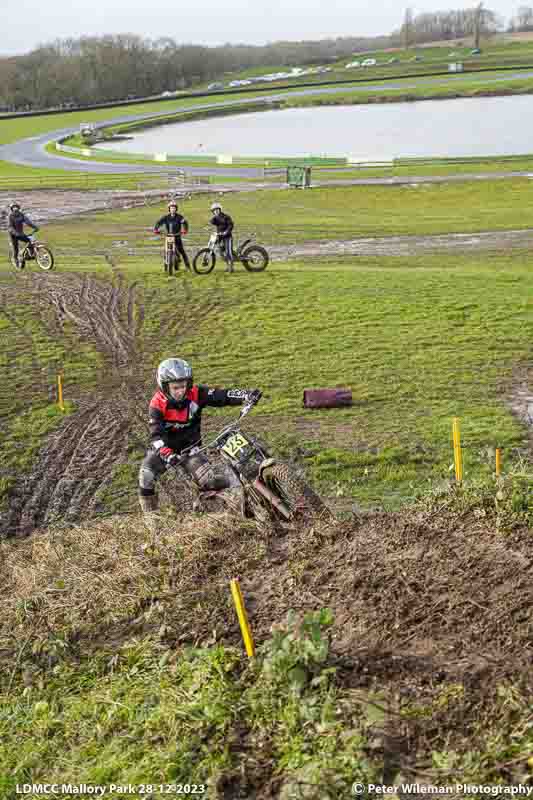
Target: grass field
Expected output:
[122,654]
[283,217]
[419,340]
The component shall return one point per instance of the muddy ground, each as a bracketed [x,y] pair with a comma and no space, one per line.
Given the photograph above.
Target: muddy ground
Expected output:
[432,610]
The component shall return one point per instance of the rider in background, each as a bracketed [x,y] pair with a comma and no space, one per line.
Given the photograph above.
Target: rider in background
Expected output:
[15,227]
[224,225]
[176,225]
[174,417]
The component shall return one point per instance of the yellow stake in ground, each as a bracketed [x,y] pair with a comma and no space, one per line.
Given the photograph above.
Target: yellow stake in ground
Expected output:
[60,392]
[243,618]
[458,458]
[498,461]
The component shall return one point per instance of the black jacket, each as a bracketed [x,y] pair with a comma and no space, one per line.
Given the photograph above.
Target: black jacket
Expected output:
[223,223]
[16,221]
[172,224]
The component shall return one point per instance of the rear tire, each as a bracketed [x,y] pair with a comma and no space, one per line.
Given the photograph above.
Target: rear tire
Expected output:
[44,257]
[255,258]
[204,261]
[294,491]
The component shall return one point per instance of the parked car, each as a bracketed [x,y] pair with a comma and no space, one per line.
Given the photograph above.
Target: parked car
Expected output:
[368,62]
[352,64]
[215,86]
[475,52]
[393,60]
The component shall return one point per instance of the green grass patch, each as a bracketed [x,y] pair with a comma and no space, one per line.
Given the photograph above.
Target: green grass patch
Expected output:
[31,358]
[348,212]
[420,340]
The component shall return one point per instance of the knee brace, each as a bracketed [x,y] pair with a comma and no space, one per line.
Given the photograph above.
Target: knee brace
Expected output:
[150,470]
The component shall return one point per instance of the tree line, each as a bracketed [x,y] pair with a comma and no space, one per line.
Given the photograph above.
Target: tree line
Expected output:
[90,69]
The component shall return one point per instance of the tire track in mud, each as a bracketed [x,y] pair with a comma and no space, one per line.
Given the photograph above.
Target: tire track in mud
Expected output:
[78,459]
[406,245]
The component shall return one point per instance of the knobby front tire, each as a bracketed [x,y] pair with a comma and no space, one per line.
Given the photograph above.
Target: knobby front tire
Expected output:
[204,261]
[44,257]
[255,258]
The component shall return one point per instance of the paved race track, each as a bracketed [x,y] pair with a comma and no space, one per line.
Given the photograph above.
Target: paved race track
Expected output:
[31,152]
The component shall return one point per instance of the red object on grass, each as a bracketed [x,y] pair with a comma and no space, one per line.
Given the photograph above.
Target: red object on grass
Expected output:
[327,398]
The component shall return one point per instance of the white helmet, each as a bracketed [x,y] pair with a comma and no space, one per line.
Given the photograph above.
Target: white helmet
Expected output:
[173,369]
[215,206]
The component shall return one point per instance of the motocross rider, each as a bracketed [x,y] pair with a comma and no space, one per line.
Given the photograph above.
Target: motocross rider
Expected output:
[224,225]
[175,414]
[16,221]
[175,225]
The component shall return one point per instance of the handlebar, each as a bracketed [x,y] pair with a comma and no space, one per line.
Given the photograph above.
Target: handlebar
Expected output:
[184,455]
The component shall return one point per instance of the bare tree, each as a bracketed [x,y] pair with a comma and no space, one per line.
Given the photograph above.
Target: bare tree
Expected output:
[523,20]
[478,22]
[407,28]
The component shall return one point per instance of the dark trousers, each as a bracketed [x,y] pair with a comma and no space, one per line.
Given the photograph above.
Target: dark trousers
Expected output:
[181,250]
[226,246]
[15,239]
[197,466]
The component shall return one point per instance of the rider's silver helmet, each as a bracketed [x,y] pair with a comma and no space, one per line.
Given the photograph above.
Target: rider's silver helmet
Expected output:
[173,369]
[13,204]
[215,206]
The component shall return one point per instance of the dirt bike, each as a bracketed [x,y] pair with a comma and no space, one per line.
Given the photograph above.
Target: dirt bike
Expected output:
[272,489]
[33,251]
[253,257]
[171,257]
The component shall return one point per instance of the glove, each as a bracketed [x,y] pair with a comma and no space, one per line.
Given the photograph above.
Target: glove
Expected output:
[156,231]
[168,455]
[254,395]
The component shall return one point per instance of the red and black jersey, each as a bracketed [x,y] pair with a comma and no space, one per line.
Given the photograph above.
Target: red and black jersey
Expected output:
[178,425]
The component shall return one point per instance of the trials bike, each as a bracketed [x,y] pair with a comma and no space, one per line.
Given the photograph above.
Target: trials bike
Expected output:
[253,257]
[272,489]
[33,251]
[171,257]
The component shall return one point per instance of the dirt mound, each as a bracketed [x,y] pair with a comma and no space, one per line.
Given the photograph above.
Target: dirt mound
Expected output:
[432,608]
[447,593]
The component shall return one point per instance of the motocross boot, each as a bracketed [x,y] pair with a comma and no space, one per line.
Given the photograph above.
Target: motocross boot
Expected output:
[149,506]
[149,503]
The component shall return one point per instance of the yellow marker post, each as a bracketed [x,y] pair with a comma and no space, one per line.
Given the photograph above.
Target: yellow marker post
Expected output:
[243,618]
[457,450]
[60,392]
[498,462]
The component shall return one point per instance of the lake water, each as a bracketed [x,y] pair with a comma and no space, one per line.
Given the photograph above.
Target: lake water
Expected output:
[462,127]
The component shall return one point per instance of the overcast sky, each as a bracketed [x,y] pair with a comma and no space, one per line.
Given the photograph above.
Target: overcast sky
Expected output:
[27,23]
